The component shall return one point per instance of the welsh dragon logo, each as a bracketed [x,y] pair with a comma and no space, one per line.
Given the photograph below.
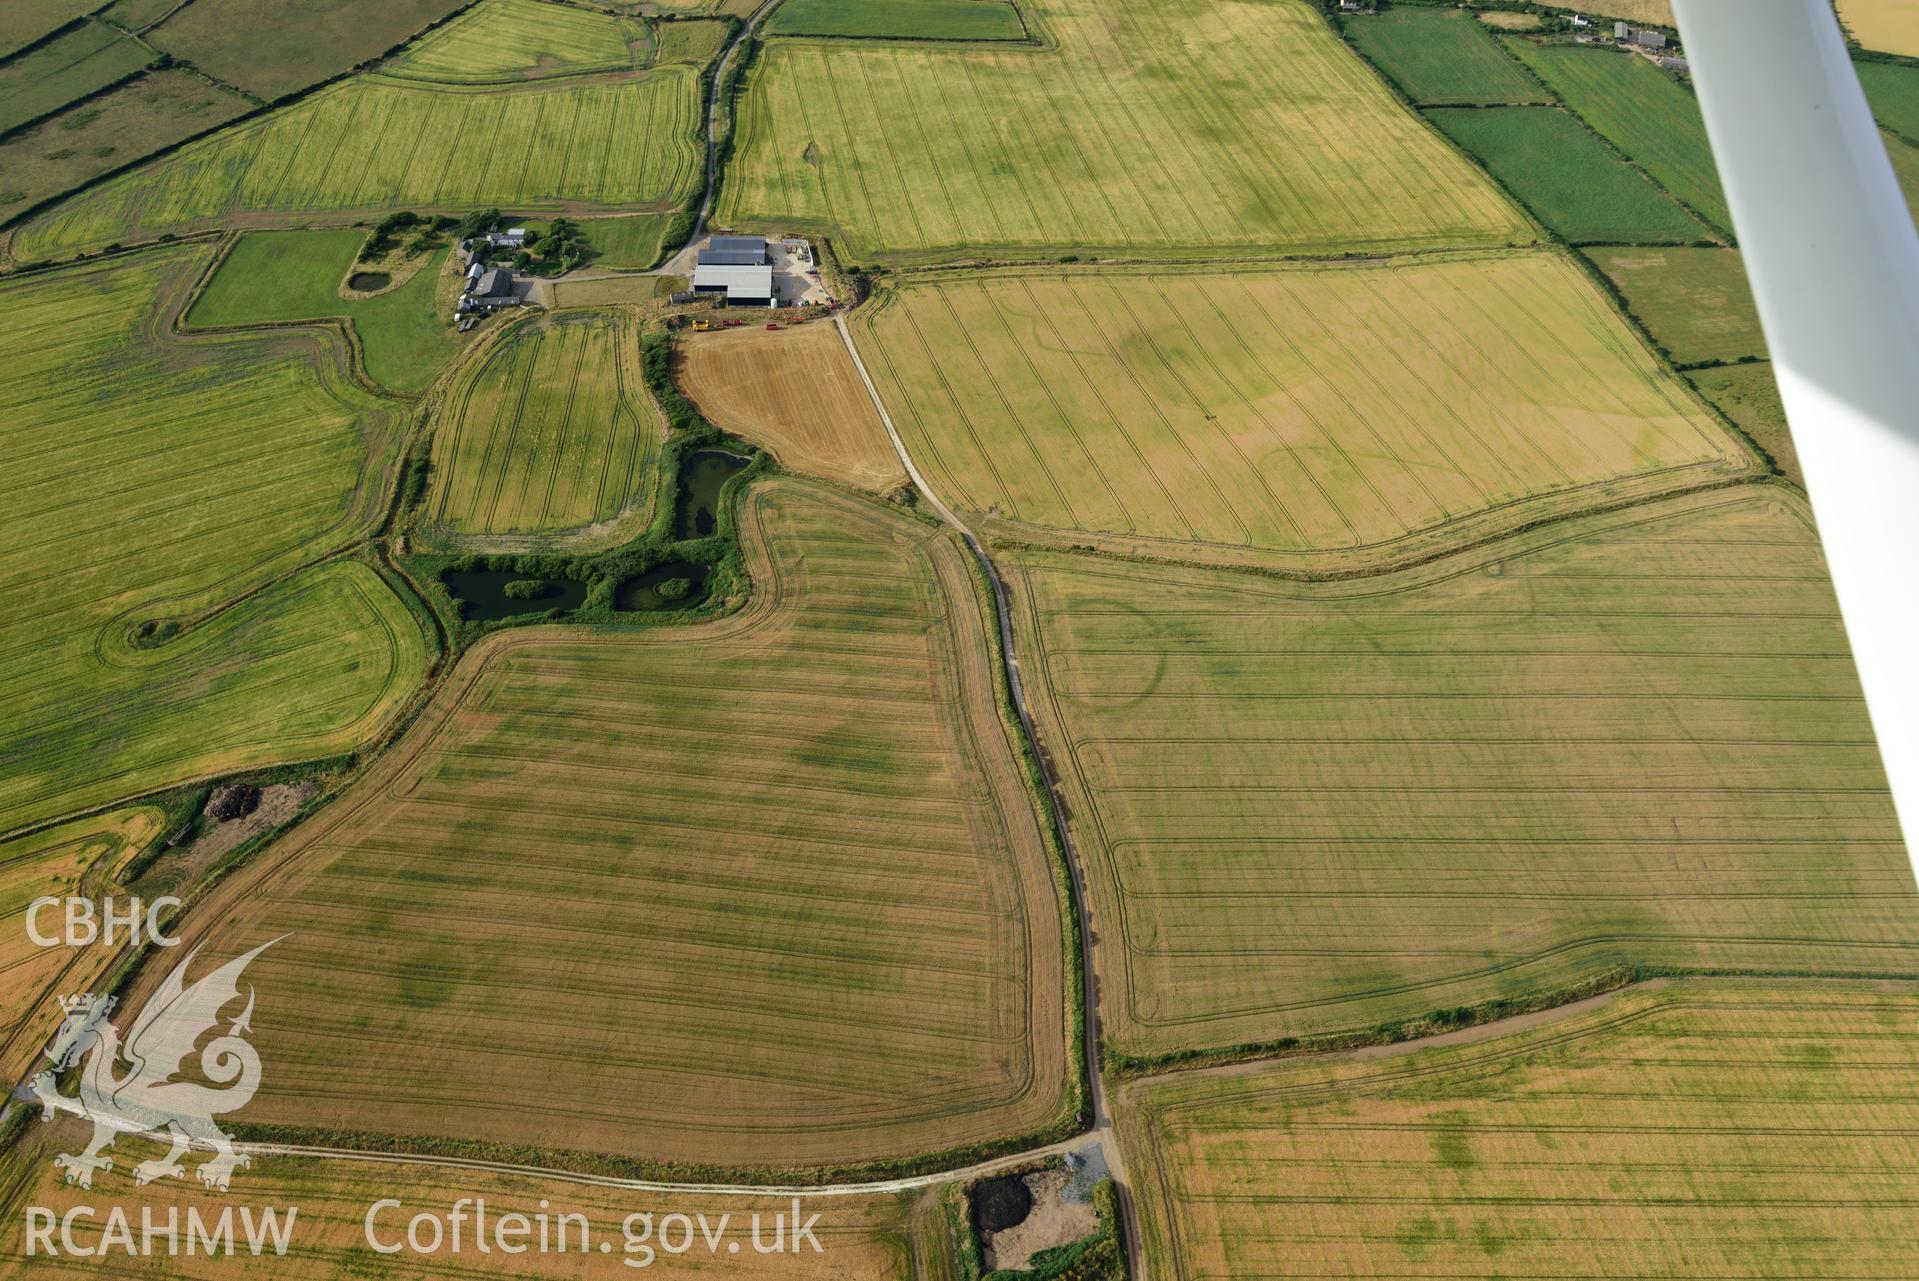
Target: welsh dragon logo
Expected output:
[146,1098]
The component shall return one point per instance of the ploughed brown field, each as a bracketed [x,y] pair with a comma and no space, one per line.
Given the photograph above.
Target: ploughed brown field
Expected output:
[796,392]
[765,892]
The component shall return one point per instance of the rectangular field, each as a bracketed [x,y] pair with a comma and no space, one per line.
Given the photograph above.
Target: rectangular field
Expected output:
[1636,740]
[153,480]
[272,277]
[550,431]
[1568,178]
[77,145]
[1890,26]
[631,243]
[795,392]
[1710,1129]
[272,48]
[372,145]
[1318,409]
[1208,127]
[505,41]
[766,892]
[83,61]
[1695,302]
[1643,111]
[909,19]
[1441,57]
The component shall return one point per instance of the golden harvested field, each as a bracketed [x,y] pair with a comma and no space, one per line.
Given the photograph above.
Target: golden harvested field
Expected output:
[1505,20]
[1712,1129]
[797,393]
[1891,26]
[77,858]
[764,892]
[550,431]
[860,1238]
[1364,411]
[1309,808]
[154,479]
[502,41]
[374,145]
[1656,12]
[1201,127]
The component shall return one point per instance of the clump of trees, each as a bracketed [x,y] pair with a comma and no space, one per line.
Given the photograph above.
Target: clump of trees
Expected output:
[674,588]
[555,251]
[386,234]
[526,589]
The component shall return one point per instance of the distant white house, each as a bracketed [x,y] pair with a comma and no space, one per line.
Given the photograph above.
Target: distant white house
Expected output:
[511,238]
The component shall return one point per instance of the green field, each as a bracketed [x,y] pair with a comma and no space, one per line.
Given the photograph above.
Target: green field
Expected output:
[777,878]
[154,478]
[1713,1129]
[83,61]
[909,19]
[1905,167]
[1359,410]
[1441,57]
[272,48]
[24,21]
[136,15]
[1638,740]
[1749,396]
[1893,90]
[1201,128]
[624,244]
[1695,302]
[552,431]
[1642,111]
[1568,178]
[693,42]
[271,277]
[372,146]
[504,41]
[79,144]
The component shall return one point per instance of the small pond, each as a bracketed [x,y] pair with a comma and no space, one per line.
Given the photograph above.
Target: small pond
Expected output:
[482,594]
[1002,1203]
[643,593]
[368,281]
[701,475]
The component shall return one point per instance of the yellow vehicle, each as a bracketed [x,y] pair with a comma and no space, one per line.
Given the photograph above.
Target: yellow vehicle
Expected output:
[702,325]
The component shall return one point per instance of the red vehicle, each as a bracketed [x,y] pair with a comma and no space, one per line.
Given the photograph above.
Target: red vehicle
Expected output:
[772,324]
